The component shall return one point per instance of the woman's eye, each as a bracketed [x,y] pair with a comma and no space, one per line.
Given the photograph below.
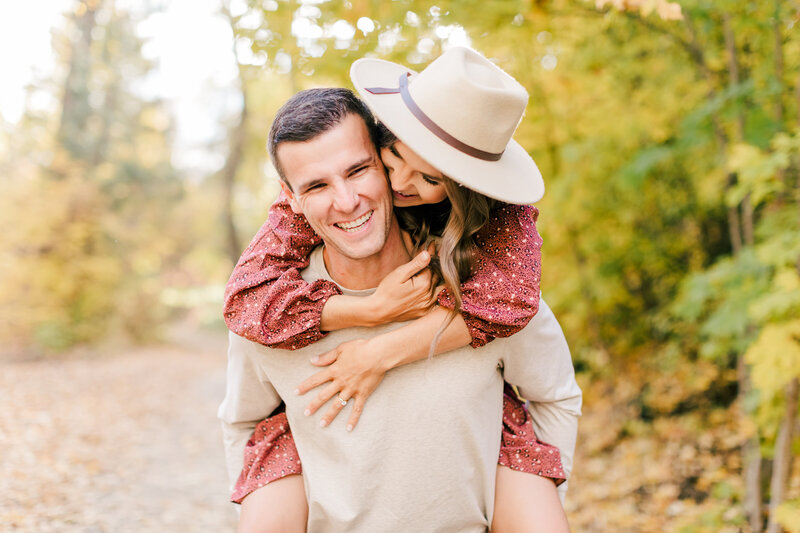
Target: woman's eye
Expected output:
[430,180]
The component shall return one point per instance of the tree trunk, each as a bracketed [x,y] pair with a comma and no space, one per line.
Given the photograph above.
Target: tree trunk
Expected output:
[237,138]
[751,450]
[232,163]
[781,469]
[734,227]
[74,99]
[751,458]
[780,109]
[235,153]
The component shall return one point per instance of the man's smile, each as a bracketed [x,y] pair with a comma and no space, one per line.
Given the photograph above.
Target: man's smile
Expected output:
[355,225]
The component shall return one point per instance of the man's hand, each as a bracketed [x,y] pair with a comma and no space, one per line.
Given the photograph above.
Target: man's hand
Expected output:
[354,370]
[405,293]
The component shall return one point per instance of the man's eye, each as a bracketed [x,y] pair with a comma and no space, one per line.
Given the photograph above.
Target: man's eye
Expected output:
[359,170]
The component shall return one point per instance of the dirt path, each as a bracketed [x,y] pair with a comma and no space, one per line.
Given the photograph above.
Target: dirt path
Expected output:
[123,443]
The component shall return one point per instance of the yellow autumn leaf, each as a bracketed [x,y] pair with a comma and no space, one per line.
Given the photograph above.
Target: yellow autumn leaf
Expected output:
[775,356]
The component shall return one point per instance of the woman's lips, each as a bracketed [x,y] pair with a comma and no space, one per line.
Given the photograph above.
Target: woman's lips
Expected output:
[402,196]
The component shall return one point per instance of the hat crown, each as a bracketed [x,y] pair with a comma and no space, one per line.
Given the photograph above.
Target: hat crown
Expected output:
[490,102]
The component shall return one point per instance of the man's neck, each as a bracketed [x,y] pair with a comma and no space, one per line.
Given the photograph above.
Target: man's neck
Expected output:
[367,273]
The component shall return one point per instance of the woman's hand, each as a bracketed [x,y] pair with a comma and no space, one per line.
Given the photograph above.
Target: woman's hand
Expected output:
[405,293]
[353,370]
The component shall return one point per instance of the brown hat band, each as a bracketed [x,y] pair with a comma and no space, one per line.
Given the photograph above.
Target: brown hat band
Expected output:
[430,124]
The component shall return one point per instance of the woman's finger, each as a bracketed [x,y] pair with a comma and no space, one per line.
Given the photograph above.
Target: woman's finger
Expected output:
[358,408]
[336,407]
[423,279]
[319,378]
[320,399]
[326,358]
[408,270]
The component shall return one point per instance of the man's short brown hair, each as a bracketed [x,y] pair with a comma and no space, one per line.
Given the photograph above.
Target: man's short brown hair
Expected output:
[313,112]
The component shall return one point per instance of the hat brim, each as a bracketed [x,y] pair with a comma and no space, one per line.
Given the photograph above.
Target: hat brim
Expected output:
[514,178]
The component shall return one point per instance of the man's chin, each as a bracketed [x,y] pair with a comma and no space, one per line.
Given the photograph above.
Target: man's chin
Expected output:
[355,248]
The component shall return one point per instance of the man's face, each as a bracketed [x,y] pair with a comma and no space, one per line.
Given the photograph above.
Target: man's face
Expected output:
[339,184]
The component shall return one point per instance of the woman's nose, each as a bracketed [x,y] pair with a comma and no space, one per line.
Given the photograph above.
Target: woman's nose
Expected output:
[399,175]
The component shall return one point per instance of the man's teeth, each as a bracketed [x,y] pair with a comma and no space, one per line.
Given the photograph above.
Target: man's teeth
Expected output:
[355,224]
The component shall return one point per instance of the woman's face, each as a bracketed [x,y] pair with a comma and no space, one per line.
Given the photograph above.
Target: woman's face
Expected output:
[414,181]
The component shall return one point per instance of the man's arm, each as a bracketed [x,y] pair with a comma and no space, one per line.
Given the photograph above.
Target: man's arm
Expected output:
[249,398]
[538,362]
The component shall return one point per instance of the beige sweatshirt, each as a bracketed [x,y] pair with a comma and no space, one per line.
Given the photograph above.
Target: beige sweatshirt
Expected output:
[424,454]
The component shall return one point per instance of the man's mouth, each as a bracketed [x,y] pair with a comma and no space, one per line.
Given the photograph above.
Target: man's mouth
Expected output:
[355,225]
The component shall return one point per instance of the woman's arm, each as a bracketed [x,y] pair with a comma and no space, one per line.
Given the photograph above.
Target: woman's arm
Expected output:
[265,285]
[267,301]
[405,293]
[502,295]
[499,299]
[354,369]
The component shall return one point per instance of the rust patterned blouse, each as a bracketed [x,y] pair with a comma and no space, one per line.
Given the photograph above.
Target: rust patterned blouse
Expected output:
[266,300]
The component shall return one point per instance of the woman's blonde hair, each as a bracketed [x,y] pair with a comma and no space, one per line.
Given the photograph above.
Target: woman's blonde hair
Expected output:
[452,225]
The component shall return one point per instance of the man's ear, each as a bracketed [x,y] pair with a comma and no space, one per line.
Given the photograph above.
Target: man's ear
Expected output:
[292,200]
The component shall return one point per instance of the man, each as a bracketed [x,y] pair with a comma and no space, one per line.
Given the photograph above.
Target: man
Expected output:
[425,452]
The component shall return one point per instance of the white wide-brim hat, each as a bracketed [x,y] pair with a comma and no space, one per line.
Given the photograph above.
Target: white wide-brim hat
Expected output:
[458,115]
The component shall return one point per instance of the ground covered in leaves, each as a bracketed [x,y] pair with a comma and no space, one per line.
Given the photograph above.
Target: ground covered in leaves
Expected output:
[114,443]
[129,442]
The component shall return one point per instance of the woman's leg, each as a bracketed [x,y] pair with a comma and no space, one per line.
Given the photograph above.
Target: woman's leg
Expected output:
[278,507]
[526,503]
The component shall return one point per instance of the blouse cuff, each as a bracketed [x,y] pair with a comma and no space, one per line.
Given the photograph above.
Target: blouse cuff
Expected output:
[299,328]
[476,326]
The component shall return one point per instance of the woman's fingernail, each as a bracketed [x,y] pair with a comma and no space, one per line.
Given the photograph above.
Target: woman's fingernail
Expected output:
[297,391]
[307,412]
[315,359]
[323,423]
[349,427]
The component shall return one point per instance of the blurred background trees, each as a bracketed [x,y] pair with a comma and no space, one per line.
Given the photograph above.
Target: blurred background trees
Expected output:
[668,136]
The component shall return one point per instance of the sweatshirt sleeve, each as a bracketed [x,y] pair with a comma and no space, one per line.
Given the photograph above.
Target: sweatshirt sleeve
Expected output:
[266,299]
[249,399]
[539,364]
[502,295]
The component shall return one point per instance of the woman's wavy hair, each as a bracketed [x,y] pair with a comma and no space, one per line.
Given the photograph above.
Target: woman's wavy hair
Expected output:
[452,225]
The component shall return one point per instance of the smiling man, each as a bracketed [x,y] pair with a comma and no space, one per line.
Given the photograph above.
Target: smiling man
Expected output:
[338,183]
[424,455]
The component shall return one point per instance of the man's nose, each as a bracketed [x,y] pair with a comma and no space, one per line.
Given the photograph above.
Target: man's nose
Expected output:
[346,197]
